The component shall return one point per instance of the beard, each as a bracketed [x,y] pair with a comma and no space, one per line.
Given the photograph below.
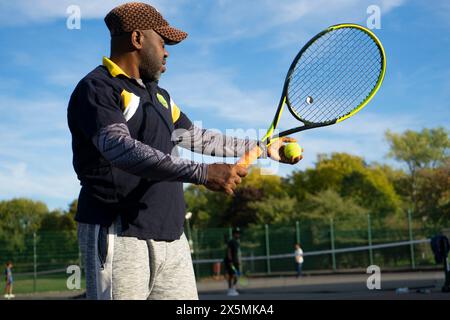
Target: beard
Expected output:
[150,66]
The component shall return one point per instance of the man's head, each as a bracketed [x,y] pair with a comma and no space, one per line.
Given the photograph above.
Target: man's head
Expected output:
[236,233]
[9,264]
[140,30]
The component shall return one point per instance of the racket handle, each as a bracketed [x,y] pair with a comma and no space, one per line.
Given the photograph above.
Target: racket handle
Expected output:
[250,157]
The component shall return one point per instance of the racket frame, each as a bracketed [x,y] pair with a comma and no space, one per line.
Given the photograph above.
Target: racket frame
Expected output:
[251,156]
[285,97]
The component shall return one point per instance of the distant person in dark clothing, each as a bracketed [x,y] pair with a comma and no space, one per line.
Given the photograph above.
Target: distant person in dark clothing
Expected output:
[232,262]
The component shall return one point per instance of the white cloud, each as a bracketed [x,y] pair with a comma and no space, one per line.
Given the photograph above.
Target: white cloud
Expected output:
[35,150]
[228,20]
[388,5]
[217,94]
[251,15]
[30,11]
[65,78]
[18,180]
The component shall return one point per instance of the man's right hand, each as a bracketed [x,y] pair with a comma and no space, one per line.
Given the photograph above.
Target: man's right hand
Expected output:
[225,177]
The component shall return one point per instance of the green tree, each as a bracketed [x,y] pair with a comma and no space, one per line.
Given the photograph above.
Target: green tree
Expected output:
[273,209]
[370,188]
[73,206]
[427,149]
[18,218]
[328,204]
[328,173]
[352,178]
[433,195]
[196,198]
[57,239]
[240,212]
[261,198]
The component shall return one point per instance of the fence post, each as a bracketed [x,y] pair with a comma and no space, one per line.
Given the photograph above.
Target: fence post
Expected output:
[333,254]
[369,234]
[196,247]
[80,259]
[34,262]
[267,248]
[297,231]
[411,246]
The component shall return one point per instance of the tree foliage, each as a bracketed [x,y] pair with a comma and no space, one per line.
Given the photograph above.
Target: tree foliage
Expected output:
[425,149]
[426,155]
[18,218]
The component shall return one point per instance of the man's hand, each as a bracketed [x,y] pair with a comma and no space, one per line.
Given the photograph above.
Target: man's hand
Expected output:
[276,151]
[225,177]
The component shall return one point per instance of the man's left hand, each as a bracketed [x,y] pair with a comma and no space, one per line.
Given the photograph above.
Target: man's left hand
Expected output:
[276,151]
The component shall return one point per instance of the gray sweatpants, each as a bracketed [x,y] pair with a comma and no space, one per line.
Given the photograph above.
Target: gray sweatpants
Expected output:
[119,267]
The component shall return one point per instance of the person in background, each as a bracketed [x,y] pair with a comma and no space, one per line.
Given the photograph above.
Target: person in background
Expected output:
[232,262]
[9,281]
[298,260]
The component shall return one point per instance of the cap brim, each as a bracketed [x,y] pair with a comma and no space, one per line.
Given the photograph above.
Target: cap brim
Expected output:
[171,35]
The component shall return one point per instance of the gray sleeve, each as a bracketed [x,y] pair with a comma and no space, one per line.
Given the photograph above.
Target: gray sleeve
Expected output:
[122,151]
[213,143]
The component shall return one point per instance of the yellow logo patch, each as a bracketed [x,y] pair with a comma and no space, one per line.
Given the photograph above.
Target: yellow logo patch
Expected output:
[162,100]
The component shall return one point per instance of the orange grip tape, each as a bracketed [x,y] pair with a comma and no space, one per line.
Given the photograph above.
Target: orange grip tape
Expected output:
[250,157]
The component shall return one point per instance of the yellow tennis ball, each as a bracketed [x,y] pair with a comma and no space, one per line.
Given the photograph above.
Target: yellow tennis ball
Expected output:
[292,150]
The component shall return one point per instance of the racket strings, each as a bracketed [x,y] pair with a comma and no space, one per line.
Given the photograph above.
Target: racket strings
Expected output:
[306,58]
[333,101]
[344,99]
[321,87]
[336,56]
[334,76]
[311,75]
[348,100]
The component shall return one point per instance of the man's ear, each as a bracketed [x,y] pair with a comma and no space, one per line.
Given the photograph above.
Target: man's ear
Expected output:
[137,38]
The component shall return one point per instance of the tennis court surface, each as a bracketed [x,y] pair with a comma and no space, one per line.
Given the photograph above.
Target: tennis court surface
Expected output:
[422,285]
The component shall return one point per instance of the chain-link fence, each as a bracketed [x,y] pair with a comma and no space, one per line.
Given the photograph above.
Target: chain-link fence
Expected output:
[41,259]
[332,247]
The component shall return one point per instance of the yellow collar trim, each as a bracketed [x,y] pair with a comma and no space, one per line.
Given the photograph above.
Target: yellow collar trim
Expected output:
[113,68]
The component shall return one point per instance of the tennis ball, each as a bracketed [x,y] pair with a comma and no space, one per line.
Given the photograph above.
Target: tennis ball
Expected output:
[292,150]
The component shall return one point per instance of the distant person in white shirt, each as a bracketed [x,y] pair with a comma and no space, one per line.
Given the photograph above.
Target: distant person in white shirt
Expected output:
[298,259]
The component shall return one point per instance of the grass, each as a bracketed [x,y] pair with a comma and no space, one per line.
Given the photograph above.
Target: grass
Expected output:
[44,283]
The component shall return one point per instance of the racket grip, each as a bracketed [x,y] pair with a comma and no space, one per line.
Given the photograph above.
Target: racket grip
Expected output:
[250,157]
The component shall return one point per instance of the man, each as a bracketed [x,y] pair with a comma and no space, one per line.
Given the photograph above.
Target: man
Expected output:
[124,132]
[232,262]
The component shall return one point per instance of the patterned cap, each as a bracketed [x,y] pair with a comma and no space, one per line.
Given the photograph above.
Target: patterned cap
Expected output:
[136,15]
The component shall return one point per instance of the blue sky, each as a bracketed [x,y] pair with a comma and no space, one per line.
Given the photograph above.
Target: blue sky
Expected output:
[228,74]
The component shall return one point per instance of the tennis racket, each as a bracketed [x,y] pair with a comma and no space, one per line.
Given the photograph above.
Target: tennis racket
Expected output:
[243,280]
[331,79]
[241,277]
